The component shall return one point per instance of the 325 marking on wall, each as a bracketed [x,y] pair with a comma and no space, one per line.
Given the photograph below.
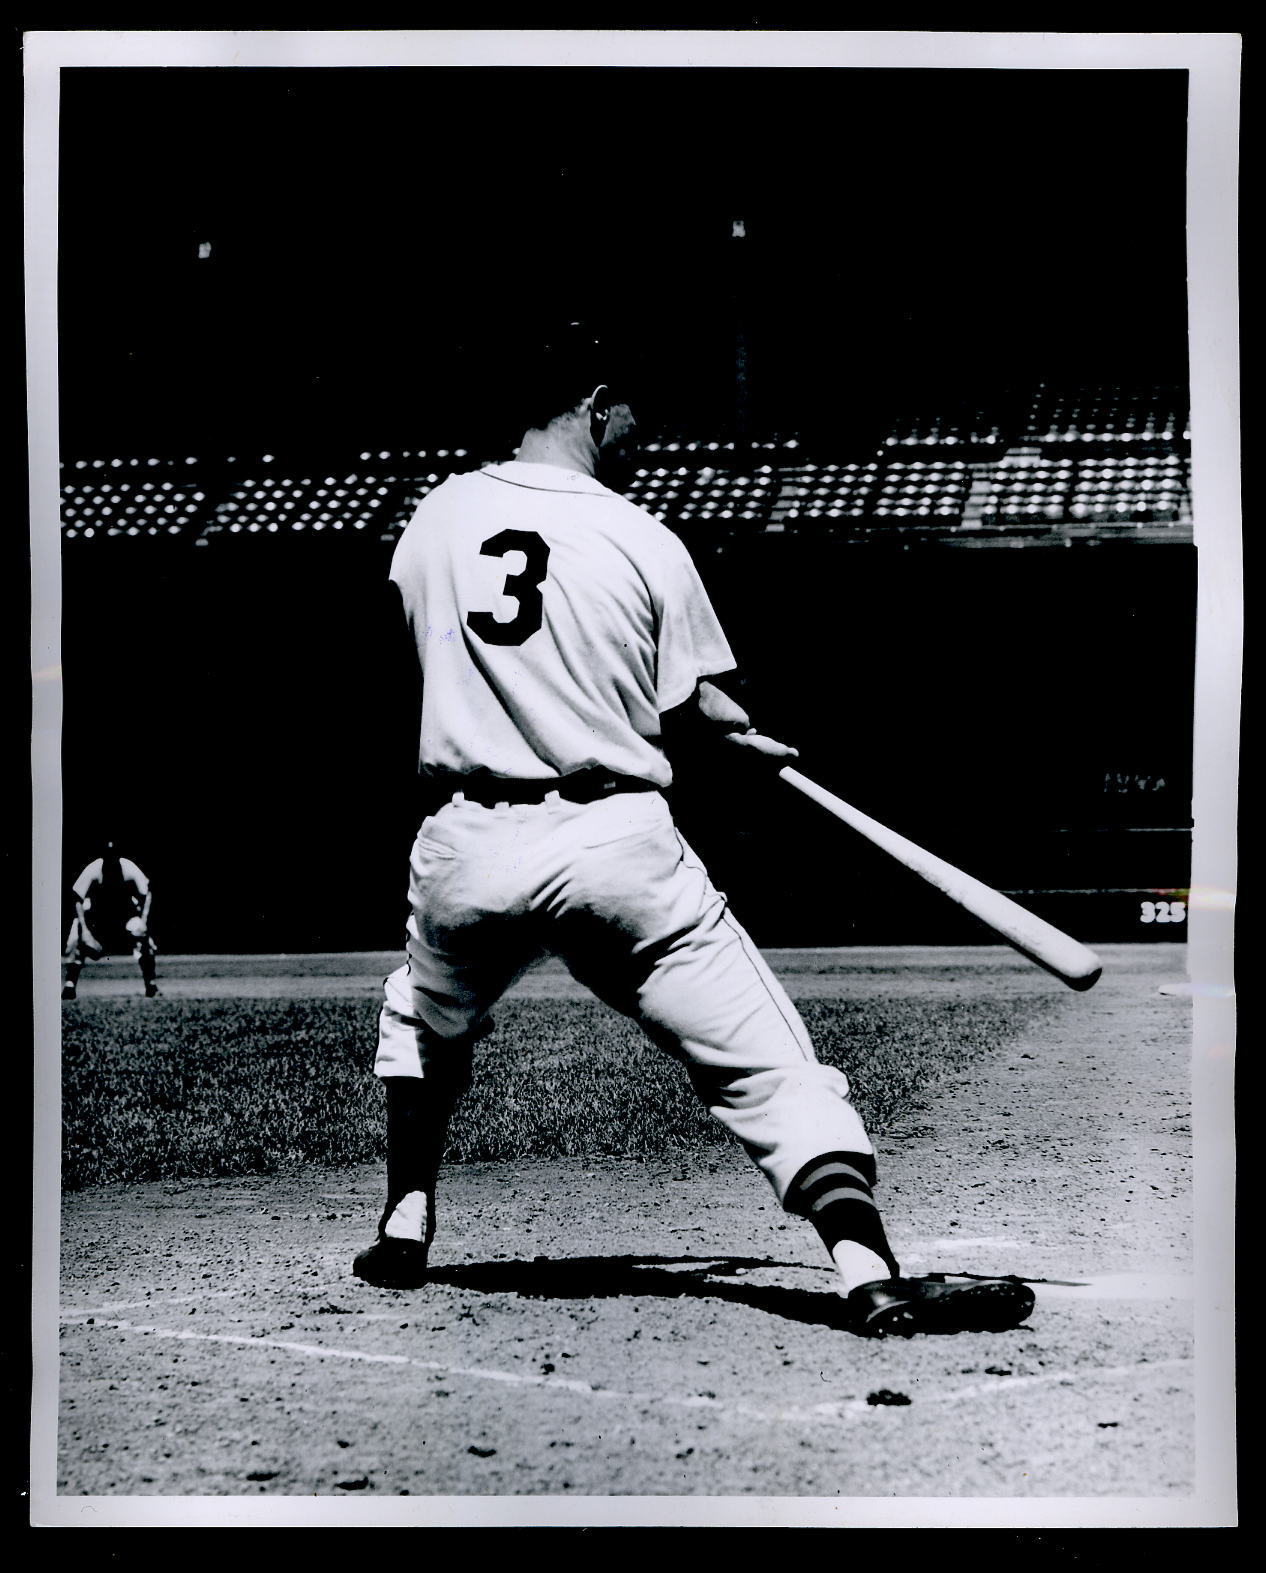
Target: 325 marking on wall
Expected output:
[1163,912]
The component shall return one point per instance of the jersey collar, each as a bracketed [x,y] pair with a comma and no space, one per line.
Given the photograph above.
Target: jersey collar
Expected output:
[545,478]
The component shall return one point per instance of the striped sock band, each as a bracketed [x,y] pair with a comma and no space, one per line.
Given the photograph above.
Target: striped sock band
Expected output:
[834,1192]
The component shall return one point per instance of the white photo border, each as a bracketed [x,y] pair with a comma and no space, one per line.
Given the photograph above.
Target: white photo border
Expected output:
[1213,63]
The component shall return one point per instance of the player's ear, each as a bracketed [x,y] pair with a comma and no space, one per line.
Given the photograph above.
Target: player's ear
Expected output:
[599,411]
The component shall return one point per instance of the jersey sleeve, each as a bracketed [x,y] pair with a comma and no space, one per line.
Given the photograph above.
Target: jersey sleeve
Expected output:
[89,877]
[133,875]
[691,642]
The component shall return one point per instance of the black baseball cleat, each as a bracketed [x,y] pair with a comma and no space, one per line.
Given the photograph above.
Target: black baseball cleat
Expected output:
[68,991]
[392,1264]
[151,991]
[901,1307]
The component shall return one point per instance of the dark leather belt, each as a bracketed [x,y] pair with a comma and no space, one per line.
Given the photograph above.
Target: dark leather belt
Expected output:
[584,786]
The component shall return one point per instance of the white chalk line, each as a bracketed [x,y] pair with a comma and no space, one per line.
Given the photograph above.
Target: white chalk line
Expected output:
[72,1314]
[825,1411]
[69,1315]
[1059,1378]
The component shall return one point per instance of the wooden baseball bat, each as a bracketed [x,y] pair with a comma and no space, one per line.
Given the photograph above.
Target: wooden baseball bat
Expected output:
[1042,942]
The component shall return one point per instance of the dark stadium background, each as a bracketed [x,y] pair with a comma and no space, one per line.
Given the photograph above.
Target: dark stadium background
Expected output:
[241,718]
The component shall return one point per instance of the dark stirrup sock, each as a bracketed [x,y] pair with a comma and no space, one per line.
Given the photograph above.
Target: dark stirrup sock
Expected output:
[834,1192]
[418,1113]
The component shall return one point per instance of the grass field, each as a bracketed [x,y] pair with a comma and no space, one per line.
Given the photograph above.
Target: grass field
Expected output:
[177,1088]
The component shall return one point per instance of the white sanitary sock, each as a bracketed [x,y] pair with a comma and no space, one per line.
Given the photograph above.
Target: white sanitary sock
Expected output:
[408,1218]
[858,1265]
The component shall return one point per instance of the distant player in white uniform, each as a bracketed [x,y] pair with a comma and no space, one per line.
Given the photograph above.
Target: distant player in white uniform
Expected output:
[557,624]
[112,902]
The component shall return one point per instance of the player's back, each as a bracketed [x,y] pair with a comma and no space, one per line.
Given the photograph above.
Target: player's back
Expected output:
[111,887]
[554,622]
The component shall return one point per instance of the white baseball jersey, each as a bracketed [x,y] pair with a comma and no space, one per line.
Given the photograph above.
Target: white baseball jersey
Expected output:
[554,621]
[90,885]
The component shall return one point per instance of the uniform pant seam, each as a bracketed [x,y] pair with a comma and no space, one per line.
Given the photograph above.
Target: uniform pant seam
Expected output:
[739,935]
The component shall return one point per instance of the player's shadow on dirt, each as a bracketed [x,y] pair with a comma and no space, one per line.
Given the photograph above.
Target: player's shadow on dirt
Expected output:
[643,1277]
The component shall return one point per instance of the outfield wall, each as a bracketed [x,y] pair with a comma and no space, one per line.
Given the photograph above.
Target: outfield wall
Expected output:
[242,718]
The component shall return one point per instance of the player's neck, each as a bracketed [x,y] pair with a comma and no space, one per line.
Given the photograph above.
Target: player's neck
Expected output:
[567,448]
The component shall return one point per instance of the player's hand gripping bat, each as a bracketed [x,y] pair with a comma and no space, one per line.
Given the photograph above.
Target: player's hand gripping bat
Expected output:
[1040,941]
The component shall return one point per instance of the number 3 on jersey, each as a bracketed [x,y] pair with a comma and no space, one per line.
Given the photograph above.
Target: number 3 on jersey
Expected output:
[525,587]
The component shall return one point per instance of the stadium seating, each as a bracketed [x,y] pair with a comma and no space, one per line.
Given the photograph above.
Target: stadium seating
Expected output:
[1129,491]
[922,492]
[1140,490]
[694,450]
[969,427]
[272,502]
[379,492]
[1102,461]
[131,497]
[823,496]
[1106,414]
[687,496]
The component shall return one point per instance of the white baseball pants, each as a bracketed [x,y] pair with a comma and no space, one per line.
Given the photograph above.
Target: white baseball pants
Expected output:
[611,888]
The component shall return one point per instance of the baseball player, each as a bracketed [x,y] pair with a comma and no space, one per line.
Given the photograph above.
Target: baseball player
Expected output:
[112,902]
[558,627]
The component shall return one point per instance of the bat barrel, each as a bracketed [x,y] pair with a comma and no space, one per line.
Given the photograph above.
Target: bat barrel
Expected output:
[1033,936]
